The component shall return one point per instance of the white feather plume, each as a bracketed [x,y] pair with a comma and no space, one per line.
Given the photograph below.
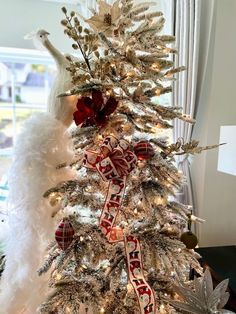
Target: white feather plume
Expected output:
[42,144]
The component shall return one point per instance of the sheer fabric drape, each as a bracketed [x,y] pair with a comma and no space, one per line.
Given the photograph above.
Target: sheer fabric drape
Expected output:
[187,30]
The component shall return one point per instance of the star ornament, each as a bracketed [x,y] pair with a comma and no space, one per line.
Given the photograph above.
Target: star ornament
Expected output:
[94,110]
[106,20]
[204,299]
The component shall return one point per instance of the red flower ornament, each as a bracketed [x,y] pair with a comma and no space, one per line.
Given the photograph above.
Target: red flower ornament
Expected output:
[94,111]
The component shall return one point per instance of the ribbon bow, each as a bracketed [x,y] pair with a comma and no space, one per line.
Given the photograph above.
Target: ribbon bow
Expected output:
[114,162]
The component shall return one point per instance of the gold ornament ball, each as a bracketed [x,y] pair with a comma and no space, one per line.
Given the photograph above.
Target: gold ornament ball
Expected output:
[189,239]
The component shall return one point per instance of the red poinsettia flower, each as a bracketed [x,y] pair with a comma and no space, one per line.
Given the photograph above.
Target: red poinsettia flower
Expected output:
[94,111]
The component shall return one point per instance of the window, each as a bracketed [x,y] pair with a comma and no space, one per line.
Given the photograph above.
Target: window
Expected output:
[25,80]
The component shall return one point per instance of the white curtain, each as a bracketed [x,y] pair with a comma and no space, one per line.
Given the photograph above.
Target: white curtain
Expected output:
[193,22]
[187,31]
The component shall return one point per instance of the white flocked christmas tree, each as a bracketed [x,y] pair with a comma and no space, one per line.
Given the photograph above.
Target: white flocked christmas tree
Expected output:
[123,244]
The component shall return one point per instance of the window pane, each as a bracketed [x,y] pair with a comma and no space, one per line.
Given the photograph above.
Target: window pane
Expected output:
[6,126]
[24,89]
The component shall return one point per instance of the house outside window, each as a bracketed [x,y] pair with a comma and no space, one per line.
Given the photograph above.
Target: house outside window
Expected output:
[25,80]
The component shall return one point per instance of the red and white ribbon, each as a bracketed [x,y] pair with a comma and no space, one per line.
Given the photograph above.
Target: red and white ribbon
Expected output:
[136,275]
[114,162]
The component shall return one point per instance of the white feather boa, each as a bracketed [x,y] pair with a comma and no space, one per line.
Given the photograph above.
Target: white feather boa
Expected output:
[41,146]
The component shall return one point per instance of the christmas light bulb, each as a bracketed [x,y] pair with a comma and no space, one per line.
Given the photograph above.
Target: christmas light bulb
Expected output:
[99,138]
[58,276]
[155,66]
[127,48]
[129,288]
[158,200]
[130,74]
[54,199]
[156,128]
[162,309]
[87,189]
[141,164]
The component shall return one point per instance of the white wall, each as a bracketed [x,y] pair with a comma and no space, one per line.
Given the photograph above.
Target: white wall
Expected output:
[20,17]
[215,192]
